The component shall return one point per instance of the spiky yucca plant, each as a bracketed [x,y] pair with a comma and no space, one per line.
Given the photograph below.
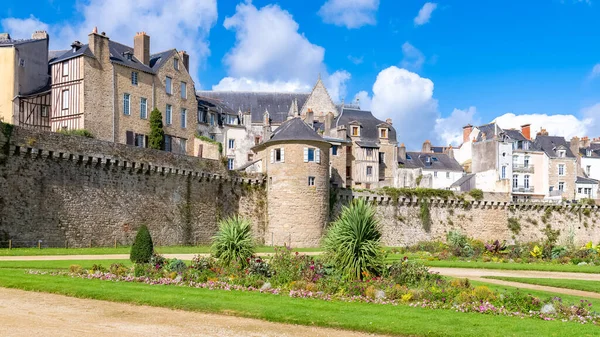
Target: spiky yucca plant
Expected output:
[233,242]
[354,241]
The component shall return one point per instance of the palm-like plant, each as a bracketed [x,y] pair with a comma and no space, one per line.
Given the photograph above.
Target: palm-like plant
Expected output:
[354,241]
[233,242]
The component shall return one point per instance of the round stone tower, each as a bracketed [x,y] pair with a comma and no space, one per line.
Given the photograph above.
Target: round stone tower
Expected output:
[296,161]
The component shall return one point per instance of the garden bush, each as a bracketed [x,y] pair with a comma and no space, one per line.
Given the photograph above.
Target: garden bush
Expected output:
[177,266]
[233,242]
[143,248]
[411,273]
[354,241]
[459,243]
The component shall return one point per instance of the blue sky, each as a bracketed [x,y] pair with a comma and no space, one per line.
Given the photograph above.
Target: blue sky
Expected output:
[468,61]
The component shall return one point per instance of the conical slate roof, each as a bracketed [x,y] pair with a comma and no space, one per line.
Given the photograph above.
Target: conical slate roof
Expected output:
[295,129]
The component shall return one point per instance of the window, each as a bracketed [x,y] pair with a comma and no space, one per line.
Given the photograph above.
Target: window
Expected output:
[561,186]
[369,171]
[143,108]
[588,191]
[435,174]
[579,190]
[201,116]
[515,160]
[588,169]
[515,181]
[140,140]
[65,68]
[526,181]
[182,145]
[230,163]
[588,152]
[126,105]
[168,87]
[169,114]
[447,175]
[231,144]
[250,156]
[256,140]
[65,99]
[503,175]
[369,152]
[134,78]
[212,119]
[176,64]
[45,112]
[311,181]
[183,118]
[312,155]
[183,90]
[526,161]
[561,169]
[355,131]
[334,150]
[381,158]
[561,153]
[382,133]
[22,63]
[278,155]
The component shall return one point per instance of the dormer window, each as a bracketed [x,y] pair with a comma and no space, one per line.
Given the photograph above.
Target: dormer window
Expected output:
[355,131]
[588,152]
[176,64]
[561,153]
[128,55]
[383,133]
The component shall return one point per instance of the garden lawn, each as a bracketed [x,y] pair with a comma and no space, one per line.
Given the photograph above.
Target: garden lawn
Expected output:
[375,318]
[592,286]
[512,266]
[125,250]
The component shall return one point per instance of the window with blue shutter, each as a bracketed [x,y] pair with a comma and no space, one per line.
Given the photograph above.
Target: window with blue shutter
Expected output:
[126,104]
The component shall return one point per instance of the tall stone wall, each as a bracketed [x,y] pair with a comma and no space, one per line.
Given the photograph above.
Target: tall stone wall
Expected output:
[403,225]
[69,190]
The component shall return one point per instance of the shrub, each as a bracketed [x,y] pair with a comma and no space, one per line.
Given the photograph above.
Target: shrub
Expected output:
[354,241]
[514,225]
[411,273]
[202,263]
[75,269]
[98,268]
[143,248]
[495,247]
[476,193]
[118,269]
[156,138]
[459,244]
[536,252]
[158,261]
[233,242]
[258,266]
[177,266]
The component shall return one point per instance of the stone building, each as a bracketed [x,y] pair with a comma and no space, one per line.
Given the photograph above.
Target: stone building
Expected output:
[432,167]
[24,81]
[561,164]
[296,160]
[109,89]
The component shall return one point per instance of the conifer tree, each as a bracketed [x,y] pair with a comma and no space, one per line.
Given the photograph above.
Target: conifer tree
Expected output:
[143,248]
[156,139]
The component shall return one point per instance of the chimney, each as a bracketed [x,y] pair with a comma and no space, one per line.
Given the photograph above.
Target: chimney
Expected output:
[574,145]
[141,47]
[4,36]
[98,44]
[389,121]
[542,132]
[185,59]
[585,142]
[310,117]
[450,151]
[526,131]
[426,147]
[402,152]
[39,35]
[76,45]
[466,132]
[342,132]
[328,122]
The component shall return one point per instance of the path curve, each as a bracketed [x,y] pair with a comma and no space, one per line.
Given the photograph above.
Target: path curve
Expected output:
[24,313]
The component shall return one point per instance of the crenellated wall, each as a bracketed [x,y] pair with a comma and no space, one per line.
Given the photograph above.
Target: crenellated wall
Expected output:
[402,224]
[69,190]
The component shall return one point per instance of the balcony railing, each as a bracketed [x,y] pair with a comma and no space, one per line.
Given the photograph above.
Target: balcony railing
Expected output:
[523,168]
[523,189]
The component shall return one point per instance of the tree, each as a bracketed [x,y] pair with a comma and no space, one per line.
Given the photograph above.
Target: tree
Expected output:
[156,139]
[234,241]
[143,248]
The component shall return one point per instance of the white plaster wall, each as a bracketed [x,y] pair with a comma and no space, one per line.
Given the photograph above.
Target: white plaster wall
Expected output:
[594,164]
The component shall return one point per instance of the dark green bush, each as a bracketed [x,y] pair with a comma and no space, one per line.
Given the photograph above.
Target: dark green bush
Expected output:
[234,241]
[476,193]
[143,248]
[156,138]
[176,265]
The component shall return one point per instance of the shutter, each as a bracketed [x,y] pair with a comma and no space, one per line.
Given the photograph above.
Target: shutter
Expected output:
[129,138]
[282,155]
[306,155]
[272,156]
[145,141]
[200,150]
[318,156]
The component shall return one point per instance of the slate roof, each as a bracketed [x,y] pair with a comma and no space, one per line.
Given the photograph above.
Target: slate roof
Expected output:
[277,103]
[14,42]
[584,180]
[53,54]
[488,130]
[515,134]
[462,180]
[549,145]
[157,60]
[595,151]
[439,161]
[71,53]
[215,103]
[295,129]
[369,132]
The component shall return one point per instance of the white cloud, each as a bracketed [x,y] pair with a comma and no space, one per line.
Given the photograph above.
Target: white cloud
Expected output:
[425,13]
[355,59]
[23,28]
[595,71]
[557,125]
[364,100]
[449,129]
[270,54]
[413,57]
[349,13]
[188,26]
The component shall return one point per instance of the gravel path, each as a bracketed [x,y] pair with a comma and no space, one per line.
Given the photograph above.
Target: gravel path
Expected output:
[25,313]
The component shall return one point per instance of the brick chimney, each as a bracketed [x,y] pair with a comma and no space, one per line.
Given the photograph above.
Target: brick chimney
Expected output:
[542,132]
[389,121]
[574,145]
[39,35]
[526,131]
[98,44]
[185,59]
[585,142]
[466,132]
[328,122]
[141,47]
[426,147]
[402,152]
[310,117]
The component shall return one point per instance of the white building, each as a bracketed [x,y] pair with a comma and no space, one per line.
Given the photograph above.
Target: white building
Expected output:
[427,168]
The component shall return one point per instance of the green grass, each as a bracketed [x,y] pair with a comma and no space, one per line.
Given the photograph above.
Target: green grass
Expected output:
[584,285]
[513,266]
[387,319]
[124,250]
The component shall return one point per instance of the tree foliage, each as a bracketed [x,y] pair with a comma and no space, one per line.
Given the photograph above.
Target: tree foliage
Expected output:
[143,248]
[233,242]
[156,139]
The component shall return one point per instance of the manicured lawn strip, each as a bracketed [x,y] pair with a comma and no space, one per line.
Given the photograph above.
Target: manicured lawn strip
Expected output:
[585,285]
[58,264]
[125,250]
[514,266]
[399,320]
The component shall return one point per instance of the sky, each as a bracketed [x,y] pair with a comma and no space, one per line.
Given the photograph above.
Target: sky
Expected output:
[432,67]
